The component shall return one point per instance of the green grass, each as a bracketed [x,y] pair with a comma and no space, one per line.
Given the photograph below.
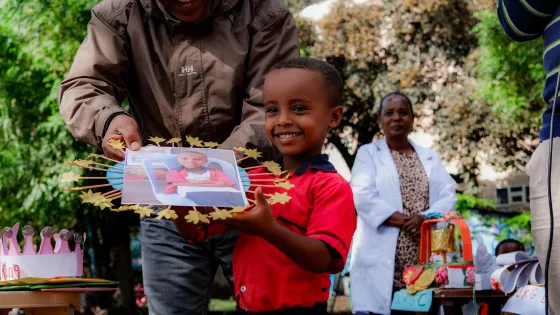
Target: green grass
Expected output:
[222,305]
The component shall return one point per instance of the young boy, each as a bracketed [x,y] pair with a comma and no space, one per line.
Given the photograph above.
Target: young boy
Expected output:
[509,246]
[284,253]
[194,173]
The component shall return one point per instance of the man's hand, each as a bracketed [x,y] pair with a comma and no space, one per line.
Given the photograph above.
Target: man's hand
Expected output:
[258,221]
[123,128]
[413,225]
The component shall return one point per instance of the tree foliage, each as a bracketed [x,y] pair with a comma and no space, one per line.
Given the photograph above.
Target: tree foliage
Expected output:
[417,47]
[474,89]
[38,40]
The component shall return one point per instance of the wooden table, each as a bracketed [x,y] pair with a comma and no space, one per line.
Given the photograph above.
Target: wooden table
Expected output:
[40,302]
[453,299]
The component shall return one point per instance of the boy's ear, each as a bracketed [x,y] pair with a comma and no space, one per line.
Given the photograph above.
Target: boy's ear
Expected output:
[335,116]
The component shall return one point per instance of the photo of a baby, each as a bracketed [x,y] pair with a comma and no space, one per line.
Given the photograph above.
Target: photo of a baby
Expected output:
[182,177]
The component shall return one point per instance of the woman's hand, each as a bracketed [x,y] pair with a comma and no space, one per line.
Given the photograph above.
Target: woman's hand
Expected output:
[413,225]
[397,219]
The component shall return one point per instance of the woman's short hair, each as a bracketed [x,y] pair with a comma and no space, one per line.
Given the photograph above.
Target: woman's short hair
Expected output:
[395,94]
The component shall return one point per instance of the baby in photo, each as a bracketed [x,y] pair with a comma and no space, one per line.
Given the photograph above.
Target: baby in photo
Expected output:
[194,173]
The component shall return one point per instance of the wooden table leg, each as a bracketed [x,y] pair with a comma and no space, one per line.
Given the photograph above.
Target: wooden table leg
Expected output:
[451,308]
[494,308]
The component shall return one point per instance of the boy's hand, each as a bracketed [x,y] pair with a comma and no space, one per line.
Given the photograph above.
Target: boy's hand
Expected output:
[258,221]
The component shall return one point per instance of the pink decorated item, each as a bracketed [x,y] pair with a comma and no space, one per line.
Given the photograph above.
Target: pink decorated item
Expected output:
[44,263]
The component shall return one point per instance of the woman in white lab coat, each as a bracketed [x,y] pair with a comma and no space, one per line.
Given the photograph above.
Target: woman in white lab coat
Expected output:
[395,184]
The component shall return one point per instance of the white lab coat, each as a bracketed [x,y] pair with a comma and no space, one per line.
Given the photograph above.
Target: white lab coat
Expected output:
[377,195]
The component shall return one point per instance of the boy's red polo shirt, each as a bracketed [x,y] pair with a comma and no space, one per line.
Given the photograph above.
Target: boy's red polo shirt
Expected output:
[321,207]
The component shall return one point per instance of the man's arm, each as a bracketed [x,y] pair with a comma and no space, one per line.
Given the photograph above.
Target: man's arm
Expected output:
[276,40]
[525,20]
[91,95]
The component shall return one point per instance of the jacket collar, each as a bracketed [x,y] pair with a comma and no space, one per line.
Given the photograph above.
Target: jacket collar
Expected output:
[320,162]
[218,6]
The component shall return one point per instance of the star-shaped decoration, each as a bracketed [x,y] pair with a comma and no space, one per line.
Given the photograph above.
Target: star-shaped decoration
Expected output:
[238,209]
[156,140]
[220,214]
[82,163]
[273,167]
[194,141]
[121,209]
[285,184]
[144,212]
[239,149]
[91,197]
[69,177]
[194,217]
[253,153]
[168,214]
[211,144]
[173,140]
[282,198]
[116,144]
[103,203]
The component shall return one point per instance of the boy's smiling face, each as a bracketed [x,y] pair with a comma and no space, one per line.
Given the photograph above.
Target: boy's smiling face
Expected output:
[191,160]
[298,112]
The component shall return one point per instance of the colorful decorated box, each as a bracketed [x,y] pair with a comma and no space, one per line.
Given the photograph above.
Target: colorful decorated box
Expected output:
[47,261]
[437,239]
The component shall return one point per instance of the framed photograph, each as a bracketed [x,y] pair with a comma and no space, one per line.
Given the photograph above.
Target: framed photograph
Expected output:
[182,177]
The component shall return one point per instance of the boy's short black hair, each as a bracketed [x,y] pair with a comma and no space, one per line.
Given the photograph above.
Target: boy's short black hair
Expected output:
[333,80]
[399,94]
[509,240]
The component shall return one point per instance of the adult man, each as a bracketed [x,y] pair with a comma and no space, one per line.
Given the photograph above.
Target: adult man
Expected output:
[522,21]
[188,67]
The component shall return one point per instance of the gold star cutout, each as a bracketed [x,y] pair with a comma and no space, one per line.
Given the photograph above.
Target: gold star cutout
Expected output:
[91,197]
[194,141]
[239,149]
[116,144]
[253,153]
[195,217]
[238,209]
[211,144]
[285,184]
[168,214]
[220,214]
[282,198]
[103,203]
[69,177]
[173,140]
[273,167]
[156,140]
[121,209]
[82,163]
[144,212]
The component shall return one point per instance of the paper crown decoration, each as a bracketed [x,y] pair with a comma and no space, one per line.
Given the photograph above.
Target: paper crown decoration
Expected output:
[46,262]
[115,177]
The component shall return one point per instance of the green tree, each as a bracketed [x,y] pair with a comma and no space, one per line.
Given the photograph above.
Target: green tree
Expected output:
[417,47]
[38,40]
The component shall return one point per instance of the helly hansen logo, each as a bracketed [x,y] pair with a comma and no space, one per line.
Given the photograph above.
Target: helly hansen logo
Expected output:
[187,70]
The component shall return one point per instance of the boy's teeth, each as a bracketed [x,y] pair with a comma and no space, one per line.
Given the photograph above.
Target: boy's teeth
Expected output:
[287,136]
